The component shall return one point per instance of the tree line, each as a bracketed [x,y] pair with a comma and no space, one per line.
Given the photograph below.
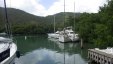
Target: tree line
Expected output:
[96,28]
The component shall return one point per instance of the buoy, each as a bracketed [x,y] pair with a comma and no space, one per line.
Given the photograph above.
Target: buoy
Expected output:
[25,37]
[18,54]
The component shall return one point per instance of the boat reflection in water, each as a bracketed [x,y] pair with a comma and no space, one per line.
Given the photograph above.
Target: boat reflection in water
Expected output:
[49,52]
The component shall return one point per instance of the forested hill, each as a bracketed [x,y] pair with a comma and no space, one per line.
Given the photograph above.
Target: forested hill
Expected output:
[59,17]
[19,16]
[21,21]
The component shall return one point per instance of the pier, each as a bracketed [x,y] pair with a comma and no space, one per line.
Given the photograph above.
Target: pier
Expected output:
[104,56]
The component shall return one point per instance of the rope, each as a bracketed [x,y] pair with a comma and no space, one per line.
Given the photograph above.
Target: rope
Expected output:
[8,27]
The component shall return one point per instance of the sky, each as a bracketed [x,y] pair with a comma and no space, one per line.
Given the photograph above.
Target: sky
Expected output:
[50,7]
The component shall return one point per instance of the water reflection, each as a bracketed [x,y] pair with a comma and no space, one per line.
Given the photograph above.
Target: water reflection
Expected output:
[40,50]
[46,56]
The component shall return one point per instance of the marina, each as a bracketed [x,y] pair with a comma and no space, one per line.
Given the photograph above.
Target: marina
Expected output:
[45,51]
[56,32]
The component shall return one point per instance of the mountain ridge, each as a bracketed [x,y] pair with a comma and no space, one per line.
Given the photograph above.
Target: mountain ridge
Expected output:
[16,15]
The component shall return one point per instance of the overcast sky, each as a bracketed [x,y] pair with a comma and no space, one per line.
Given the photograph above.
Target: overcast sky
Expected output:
[50,7]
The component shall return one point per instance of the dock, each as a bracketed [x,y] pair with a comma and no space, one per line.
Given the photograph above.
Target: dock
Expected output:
[104,56]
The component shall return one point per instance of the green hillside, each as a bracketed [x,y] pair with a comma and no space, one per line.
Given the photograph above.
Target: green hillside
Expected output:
[21,21]
[19,16]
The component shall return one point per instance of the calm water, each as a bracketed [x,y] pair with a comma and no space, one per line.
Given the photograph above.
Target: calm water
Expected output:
[41,50]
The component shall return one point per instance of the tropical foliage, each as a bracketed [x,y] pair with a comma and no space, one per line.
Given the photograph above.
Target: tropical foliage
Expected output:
[96,28]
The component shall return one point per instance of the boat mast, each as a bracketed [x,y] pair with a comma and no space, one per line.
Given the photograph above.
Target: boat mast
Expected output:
[74,16]
[64,14]
[54,24]
[64,31]
[7,22]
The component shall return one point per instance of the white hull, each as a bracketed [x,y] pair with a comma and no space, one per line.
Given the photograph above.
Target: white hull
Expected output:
[10,60]
[64,38]
[74,38]
[53,35]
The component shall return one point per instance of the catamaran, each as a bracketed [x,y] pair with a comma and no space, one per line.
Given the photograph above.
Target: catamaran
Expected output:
[68,34]
[8,48]
[71,34]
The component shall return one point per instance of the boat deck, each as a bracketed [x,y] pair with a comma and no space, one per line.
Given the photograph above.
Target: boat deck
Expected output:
[3,46]
[13,49]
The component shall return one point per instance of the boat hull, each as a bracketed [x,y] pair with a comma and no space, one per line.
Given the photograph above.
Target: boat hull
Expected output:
[64,38]
[75,38]
[11,58]
[53,35]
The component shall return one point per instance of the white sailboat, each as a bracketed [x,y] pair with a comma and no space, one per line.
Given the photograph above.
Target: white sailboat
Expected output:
[68,34]
[7,51]
[55,34]
[74,36]
[7,47]
[71,34]
[63,37]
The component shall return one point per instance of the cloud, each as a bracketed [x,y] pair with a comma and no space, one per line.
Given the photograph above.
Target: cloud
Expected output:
[91,6]
[30,6]
[36,8]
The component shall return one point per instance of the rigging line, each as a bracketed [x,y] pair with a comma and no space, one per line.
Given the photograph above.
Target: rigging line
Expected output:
[6,17]
[7,22]
[8,28]
[10,23]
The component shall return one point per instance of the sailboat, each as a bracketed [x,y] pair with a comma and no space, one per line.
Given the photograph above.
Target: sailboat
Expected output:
[55,34]
[7,47]
[63,36]
[68,34]
[72,35]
